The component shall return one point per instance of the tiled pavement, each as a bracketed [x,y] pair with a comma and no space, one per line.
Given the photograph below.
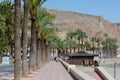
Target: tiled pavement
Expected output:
[89,70]
[94,75]
[51,71]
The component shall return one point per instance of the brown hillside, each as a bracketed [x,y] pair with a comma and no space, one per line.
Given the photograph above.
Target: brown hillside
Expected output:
[92,25]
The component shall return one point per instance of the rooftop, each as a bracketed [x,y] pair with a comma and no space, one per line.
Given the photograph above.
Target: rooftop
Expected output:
[82,53]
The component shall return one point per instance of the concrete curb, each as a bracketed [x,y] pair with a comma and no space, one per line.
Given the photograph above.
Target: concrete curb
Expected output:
[103,73]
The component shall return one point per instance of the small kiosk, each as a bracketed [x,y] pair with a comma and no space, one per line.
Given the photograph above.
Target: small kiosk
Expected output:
[82,58]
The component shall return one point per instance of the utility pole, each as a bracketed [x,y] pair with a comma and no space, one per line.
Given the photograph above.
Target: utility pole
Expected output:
[115,63]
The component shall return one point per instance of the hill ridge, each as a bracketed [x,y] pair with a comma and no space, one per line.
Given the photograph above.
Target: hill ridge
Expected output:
[93,25]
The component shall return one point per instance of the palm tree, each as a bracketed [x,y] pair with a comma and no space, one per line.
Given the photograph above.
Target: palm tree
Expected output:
[54,45]
[83,36]
[48,32]
[73,45]
[110,45]
[45,32]
[17,65]
[2,32]
[6,20]
[57,44]
[66,45]
[98,41]
[88,45]
[69,44]
[71,34]
[78,35]
[105,44]
[93,44]
[3,46]
[25,39]
[33,14]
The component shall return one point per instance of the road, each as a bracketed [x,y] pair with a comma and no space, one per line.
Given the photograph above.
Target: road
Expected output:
[6,69]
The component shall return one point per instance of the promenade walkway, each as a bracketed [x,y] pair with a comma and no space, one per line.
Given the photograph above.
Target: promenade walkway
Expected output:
[50,71]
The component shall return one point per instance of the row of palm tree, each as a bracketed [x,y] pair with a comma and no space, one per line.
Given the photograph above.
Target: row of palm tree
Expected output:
[74,39]
[6,27]
[78,35]
[42,34]
[109,46]
[78,40]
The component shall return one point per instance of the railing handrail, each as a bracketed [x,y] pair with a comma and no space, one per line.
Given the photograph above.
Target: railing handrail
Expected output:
[76,72]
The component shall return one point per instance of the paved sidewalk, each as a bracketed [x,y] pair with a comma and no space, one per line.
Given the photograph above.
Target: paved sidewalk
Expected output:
[51,71]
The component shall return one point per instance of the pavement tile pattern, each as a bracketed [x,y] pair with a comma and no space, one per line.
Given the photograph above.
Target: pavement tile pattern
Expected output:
[50,71]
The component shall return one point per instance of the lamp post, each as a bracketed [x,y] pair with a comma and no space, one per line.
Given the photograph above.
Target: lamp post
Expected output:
[115,63]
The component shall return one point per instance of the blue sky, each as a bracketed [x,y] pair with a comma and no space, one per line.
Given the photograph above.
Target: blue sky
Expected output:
[109,9]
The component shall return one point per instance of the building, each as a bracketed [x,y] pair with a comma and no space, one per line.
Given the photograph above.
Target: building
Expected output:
[82,58]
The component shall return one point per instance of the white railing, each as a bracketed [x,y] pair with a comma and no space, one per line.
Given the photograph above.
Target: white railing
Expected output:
[76,72]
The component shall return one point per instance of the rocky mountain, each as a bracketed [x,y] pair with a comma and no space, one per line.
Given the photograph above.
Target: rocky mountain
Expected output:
[93,25]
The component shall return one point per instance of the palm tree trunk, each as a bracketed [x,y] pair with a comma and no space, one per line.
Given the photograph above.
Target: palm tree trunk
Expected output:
[59,52]
[66,50]
[24,62]
[0,57]
[70,50]
[93,51]
[82,47]
[17,65]
[12,50]
[44,53]
[39,53]
[93,48]
[33,47]
[74,49]
[53,52]
[78,45]
[49,53]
